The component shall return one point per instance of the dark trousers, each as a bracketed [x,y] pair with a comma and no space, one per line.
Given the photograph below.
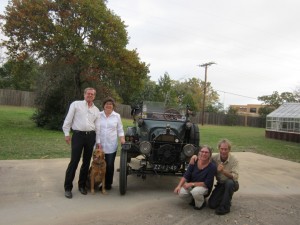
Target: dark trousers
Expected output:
[222,195]
[110,168]
[82,144]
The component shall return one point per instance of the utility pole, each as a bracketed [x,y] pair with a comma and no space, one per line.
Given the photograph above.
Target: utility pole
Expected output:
[204,93]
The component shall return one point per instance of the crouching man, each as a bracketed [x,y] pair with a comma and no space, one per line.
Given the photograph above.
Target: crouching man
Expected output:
[227,179]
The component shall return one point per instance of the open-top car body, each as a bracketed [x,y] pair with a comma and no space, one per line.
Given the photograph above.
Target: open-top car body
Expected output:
[163,139]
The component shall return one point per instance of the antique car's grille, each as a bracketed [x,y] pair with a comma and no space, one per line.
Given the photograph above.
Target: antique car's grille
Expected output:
[166,153]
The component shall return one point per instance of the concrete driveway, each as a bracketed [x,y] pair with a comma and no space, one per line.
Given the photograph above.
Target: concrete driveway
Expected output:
[31,192]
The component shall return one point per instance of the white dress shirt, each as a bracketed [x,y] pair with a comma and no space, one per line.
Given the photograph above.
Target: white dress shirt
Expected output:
[111,128]
[83,118]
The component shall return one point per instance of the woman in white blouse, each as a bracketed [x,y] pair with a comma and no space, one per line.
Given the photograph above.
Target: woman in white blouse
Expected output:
[111,128]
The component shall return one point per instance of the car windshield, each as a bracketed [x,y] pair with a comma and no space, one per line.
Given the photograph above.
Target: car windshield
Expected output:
[154,107]
[158,110]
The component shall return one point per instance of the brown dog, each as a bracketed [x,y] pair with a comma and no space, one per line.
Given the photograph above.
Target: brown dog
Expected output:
[97,171]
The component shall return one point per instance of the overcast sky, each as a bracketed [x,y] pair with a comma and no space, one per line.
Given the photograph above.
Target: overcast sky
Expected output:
[255,44]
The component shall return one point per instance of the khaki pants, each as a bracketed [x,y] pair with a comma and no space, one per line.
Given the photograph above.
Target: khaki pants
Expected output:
[197,193]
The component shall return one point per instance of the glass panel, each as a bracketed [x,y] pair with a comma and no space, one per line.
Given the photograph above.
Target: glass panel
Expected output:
[283,126]
[297,127]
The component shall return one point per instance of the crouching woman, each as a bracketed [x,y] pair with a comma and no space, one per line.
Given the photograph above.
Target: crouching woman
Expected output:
[197,182]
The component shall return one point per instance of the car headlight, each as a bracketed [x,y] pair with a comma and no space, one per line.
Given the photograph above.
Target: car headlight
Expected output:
[145,147]
[189,150]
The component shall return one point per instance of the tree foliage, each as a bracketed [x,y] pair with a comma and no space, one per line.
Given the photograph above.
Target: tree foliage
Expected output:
[148,92]
[275,100]
[179,94]
[19,74]
[296,93]
[82,41]
[193,89]
[264,111]
[231,118]
[164,89]
[215,108]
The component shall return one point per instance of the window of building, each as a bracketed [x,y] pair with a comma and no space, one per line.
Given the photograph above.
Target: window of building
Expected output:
[253,110]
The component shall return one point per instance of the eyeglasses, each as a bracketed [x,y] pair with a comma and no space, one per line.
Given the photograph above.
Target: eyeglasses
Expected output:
[204,152]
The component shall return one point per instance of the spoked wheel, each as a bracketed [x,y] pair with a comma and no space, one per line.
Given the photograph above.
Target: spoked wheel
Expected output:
[123,172]
[172,114]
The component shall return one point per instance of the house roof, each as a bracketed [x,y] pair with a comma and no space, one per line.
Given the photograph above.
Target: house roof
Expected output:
[287,110]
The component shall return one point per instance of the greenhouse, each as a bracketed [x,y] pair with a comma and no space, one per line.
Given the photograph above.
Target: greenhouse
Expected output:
[284,123]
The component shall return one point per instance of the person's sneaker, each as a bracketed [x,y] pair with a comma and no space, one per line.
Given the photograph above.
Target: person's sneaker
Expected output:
[222,210]
[201,207]
[68,194]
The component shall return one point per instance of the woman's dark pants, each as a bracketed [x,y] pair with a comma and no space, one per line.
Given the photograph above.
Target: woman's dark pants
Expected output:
[110,168]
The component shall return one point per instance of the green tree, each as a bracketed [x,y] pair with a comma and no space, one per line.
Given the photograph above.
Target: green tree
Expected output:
[147,92]
[190,92]
[215,108]
[183,95]
[296,93]
[275,100]
[19,74]
[263,112]
[84,40]
[5,76]
[231,118]
[164,88]
[195,88]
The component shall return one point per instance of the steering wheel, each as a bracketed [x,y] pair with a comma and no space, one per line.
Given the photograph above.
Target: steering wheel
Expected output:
[172,114]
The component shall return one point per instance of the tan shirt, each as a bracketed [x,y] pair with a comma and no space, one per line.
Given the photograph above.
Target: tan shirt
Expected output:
[231,165]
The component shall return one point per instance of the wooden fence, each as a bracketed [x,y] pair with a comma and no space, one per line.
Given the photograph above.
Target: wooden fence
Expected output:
[25,98]
[17,98]
[209,118]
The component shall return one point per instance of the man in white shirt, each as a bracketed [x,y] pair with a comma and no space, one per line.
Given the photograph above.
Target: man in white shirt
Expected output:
[83,118]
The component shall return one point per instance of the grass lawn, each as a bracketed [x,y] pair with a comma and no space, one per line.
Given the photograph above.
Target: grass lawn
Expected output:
[21,139]
[250,139]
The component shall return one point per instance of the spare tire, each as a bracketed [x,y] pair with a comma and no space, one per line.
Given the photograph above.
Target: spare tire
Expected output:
[194,137]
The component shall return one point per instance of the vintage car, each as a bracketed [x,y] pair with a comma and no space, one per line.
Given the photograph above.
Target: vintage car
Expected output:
[162,139]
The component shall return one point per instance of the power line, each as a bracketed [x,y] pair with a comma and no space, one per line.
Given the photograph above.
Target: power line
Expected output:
[236,94]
